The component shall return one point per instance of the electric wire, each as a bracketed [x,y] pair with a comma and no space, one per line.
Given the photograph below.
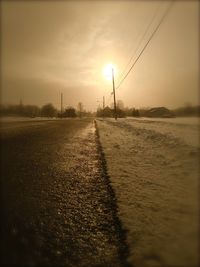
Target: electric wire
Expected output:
[141,40]
[155,30]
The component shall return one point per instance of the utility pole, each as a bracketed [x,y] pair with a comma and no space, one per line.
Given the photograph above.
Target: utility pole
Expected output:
[115,107]
[61,105]
[21,107]
[20,102]
[103,104]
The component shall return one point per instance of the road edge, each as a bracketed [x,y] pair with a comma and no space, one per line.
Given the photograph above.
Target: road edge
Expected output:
[121,232]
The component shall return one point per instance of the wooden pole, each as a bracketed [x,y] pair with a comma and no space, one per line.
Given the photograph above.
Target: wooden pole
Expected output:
[61,105]
[115,107]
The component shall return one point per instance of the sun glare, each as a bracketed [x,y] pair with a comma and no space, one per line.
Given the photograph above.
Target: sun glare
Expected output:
[107,71]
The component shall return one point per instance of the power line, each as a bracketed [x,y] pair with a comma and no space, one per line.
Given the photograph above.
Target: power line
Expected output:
[155,30]
[141,40]
[108,102]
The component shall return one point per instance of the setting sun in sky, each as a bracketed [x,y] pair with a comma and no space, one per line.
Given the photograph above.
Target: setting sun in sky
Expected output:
[107,71]
[49,47]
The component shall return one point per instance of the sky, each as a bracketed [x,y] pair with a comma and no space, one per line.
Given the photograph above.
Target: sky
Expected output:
[54,47]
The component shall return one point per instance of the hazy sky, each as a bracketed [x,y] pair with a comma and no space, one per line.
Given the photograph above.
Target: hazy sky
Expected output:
[49,47]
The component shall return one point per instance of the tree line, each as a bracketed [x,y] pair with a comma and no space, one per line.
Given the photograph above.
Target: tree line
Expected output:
[47,110]
[185,111]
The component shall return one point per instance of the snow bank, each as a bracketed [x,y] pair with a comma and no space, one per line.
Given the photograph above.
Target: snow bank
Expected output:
[153,167]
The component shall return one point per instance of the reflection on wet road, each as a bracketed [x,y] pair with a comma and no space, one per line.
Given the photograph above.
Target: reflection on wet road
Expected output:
[58,206]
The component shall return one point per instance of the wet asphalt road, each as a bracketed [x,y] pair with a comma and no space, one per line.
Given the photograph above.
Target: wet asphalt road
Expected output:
[57,205]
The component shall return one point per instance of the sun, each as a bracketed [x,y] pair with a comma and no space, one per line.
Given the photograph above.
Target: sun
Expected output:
[107,71]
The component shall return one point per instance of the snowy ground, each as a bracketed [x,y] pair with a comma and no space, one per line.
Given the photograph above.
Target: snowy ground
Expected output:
[154,170]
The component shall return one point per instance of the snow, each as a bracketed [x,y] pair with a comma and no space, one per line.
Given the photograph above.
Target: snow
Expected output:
[176,120]
[153,168]
[185,129]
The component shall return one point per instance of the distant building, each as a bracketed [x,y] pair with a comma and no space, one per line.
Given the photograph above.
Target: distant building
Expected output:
[159,112]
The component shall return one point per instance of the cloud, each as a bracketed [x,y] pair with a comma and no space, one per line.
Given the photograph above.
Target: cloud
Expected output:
[65,44]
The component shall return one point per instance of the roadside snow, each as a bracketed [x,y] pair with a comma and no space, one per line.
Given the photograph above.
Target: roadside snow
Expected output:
[185,129]
[176,120]
[153,167]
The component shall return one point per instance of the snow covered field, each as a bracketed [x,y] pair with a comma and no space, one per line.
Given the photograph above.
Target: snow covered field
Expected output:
[154,170]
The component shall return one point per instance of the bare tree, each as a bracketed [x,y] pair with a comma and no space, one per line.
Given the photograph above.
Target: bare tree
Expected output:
[48,110]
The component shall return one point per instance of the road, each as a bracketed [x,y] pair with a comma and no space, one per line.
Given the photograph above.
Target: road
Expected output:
[58,207]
